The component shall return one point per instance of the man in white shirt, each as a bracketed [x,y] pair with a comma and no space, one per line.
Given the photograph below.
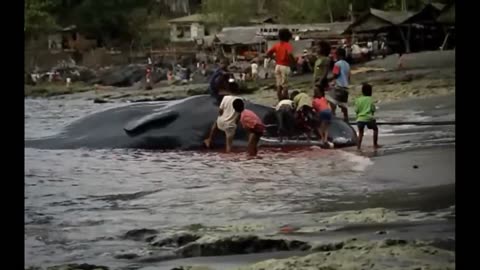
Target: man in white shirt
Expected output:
[226,122]
[285,118]
[254,67]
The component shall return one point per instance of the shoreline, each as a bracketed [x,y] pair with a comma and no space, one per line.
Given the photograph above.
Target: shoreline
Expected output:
[388,86]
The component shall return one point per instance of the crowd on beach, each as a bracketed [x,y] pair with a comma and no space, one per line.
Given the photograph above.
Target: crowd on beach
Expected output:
[309,113]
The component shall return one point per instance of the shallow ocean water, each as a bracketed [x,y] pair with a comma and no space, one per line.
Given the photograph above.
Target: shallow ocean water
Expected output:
[78,202]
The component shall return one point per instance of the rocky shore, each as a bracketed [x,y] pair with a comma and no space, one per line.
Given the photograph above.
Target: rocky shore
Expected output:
[372,249]
[415,79]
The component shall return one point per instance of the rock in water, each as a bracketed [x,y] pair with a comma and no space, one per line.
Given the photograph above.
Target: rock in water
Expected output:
[140,234]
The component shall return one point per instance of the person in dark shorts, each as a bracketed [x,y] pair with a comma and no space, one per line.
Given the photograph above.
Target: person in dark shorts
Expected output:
[365,109]
[304,113]
[323,110]
[252,124]
[341,76]
[285,118]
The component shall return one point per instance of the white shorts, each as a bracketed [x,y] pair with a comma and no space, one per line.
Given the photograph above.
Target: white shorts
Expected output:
[281,75]
[229,129]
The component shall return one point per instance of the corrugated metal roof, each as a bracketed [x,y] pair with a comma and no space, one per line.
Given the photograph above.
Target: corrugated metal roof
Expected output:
[190,18]
[393,17]
[240,35]
[447,15]
[331,29]
[438,6]
[377,19]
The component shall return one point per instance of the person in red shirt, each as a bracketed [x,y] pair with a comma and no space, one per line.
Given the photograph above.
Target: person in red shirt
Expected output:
[323,110]
[284,58]
[252,124]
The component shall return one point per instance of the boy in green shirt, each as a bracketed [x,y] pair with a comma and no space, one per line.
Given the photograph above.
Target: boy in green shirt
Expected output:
[364,108]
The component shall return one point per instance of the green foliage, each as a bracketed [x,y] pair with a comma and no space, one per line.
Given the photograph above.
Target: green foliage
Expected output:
[229,12]
[127,20]
[38,19]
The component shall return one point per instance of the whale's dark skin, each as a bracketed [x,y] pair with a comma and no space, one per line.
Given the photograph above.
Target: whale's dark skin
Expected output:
[181,124]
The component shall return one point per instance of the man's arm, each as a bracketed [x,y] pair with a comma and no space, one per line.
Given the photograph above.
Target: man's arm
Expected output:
[336,72]
[270,52]
[221,107]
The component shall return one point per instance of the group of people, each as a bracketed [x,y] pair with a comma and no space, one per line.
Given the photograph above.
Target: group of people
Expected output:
[295,111]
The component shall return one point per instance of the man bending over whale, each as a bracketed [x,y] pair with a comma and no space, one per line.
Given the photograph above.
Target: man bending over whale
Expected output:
[252,124]
[226,122]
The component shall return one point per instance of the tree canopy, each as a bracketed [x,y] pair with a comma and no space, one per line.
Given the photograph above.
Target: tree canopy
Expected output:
[127,19]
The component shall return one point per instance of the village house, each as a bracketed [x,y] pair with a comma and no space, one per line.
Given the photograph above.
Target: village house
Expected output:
[70,39]
[247,42]
[191,28]
[406,31]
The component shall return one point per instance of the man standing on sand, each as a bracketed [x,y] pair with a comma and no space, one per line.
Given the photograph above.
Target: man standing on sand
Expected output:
[283,52]
[341,78]
[266,61]
[254,67]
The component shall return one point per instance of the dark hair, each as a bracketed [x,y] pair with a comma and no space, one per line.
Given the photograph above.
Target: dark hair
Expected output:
[238,105]
[284,35]
[224,62]
[294,94]
[366,89]
[233,87]
[341,52]
[324,48]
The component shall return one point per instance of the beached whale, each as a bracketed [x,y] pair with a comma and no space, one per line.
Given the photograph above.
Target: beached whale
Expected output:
[180,124]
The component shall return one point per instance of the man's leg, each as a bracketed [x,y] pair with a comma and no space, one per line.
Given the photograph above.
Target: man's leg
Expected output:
[256,139]
[325,131]
[345,112]
[322,131]
[213,131]
[333,106]
[279,92]
[278,81]
[375,135]
[228,141]
[285,74]
[251,144]
[280,124]
[361,129]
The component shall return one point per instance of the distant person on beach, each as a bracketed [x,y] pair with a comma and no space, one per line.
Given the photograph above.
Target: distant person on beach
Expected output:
[322,64]
[365,110]
[323,110]
[304,113]
[254,67]
[252,124]
[341,78]
[266,62]
[285,118]
[283,52]
[226,122]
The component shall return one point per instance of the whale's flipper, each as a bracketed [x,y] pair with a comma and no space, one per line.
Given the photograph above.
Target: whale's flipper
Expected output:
[159,120]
